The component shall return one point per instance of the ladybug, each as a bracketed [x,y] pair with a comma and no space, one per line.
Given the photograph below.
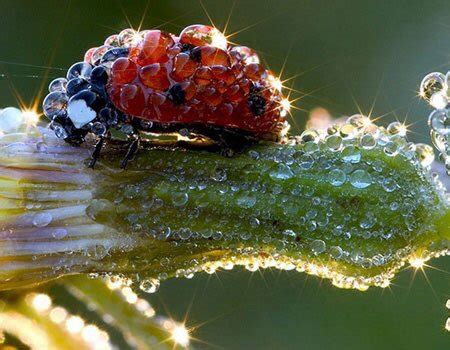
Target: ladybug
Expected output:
[151,81]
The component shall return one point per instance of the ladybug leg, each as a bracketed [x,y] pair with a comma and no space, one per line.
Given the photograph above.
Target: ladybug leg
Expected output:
[96,153]
[132,149]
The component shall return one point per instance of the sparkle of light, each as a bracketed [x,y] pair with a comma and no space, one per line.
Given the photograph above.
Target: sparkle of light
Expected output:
[285,106]
[403,129]
[218,39]
[180,335]
[275,82]
[31,118]
[417,263]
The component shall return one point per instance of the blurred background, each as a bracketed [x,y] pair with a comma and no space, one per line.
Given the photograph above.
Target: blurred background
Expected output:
[347,56]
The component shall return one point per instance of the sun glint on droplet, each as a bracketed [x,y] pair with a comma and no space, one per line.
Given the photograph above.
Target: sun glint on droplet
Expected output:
[180,335]
[31,118]
[417,263]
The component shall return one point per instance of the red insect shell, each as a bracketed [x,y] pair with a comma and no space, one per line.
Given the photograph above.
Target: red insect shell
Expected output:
[196,79]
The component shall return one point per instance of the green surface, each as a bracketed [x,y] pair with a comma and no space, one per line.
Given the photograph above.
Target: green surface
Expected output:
[370,54]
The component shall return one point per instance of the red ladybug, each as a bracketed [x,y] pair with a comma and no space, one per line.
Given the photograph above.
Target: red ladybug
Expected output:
[153,81]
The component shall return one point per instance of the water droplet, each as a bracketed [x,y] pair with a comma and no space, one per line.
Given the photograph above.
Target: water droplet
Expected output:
[179,199]
[289,233]
[359,121]
[59,130]
[390,149]
[335,252]
[220,174]
[432,83]
[389,184]
[318,246]
[246,201]
[348,131]
[309,135]
[425,154]
[351,154]
[42,219]
[440,122]
[184,233]
[367,141]
[163,232]
[337,177]
[396,128]
[334,142]
[59,233]
[97,252]
[311,147]
[360,179]
[306,162]
[58,84]
[55,104]
[150,285]
[281,172]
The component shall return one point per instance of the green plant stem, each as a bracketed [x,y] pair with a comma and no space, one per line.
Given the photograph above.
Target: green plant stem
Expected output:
[174,212]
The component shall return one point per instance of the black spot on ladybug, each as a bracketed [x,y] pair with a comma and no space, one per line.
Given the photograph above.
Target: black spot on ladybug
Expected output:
[256,101]
[176,94]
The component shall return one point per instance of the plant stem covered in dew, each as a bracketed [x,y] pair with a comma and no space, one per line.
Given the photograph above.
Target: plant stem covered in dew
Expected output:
[352,205]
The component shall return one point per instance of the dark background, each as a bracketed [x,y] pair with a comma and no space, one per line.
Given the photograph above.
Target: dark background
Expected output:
[366,55]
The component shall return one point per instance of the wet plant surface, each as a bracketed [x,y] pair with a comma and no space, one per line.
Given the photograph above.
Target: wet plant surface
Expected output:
[375,70]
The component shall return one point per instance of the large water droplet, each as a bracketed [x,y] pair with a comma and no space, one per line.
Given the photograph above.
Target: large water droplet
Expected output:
[59,233]
[318,246]
[439,121]
[360,179]
[367,141]
[42,219]
[351,154]
[334,142]
[179,199]
[432,83]
[281,172]
[55,104]
[337,177]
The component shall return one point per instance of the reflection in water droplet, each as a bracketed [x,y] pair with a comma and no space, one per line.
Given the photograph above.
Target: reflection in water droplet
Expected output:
[337,177]
[360,179]
[150,285]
